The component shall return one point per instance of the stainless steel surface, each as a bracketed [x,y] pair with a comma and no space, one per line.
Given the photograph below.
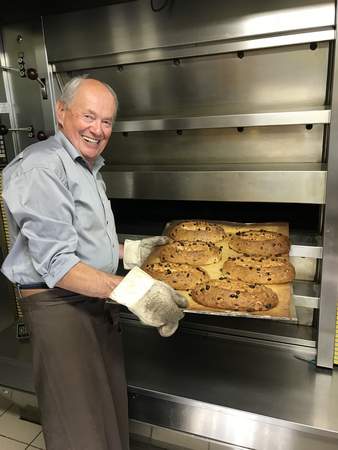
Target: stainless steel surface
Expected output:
[281,144]
[270,80]
[230,120]
[306,294]
[245,431]
[4,108]
[272,386]
[329,284]
[306,245]
[27,105]
[193,50]
[184,23]
[242,393]
[12,143]
[9,68]
[304,183]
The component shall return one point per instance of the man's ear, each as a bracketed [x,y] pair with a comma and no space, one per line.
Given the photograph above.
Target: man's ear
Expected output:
[60,109]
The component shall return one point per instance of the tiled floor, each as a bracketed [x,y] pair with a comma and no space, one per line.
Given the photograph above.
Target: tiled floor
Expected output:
[17,434]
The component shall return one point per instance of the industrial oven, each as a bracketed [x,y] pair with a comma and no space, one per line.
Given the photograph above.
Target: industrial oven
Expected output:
[227,111]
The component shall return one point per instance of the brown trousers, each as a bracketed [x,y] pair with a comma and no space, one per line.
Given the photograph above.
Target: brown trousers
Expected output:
[78,371]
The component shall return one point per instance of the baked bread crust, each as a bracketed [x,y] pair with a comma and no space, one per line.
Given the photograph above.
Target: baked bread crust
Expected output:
[197,231]
[234,295]
[196,253]
[178,276]
[259,269]
[259,243]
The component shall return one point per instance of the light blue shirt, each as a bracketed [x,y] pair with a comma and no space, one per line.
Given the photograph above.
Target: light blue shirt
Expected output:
[58,214]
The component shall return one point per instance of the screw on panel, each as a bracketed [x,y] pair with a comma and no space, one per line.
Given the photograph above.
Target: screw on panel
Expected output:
[179,132]
[313,45]
[240,129]
[309,126]
[120,68]
[177,62]
[240,54]
[19,39]
[125,133]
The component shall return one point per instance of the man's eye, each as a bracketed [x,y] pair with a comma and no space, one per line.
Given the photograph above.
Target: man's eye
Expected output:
[88,117]
[107,123]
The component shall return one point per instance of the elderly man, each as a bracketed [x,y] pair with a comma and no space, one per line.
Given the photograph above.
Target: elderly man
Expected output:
[63,258]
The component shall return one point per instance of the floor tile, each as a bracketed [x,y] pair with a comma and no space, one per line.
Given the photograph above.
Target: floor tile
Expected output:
[13,427]
[8,444]
[4,404]
[39,442]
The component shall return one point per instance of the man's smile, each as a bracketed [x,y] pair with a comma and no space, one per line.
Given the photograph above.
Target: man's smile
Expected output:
[90,139]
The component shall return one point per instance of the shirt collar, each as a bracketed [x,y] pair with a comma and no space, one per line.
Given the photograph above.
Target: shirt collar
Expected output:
[75,154]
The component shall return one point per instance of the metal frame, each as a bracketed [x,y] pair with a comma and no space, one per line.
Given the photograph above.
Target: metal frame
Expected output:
[7,108]
[226,121]
[159,54]
[329,281]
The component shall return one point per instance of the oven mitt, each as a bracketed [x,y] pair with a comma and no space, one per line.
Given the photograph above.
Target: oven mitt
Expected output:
[136,252]
[152,301]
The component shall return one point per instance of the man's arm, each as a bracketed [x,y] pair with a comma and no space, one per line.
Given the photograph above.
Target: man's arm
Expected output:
[88,281]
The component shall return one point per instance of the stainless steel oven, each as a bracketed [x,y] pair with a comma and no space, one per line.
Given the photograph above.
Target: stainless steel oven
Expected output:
[226,112]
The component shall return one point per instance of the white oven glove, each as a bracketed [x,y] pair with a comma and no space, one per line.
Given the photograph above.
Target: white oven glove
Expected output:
[136,252]
[152,301]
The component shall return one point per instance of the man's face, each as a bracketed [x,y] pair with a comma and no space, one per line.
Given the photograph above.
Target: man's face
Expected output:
[87,122]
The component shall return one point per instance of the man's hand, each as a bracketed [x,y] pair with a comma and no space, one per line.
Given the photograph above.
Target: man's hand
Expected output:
[153,302]
[136,252]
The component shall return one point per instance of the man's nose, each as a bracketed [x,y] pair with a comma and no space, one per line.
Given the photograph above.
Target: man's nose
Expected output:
[96,127]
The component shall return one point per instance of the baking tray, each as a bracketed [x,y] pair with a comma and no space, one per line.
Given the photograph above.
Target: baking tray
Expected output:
[284,311]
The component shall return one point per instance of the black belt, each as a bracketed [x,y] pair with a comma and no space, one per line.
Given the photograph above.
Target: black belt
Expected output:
[33,286]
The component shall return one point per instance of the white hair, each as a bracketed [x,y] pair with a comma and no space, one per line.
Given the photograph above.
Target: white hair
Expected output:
[71,87]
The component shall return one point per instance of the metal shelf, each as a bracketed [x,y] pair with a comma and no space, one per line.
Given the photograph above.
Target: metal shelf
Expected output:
[306,245]
[195,50]
[283,183]
[306,294]
[306,116]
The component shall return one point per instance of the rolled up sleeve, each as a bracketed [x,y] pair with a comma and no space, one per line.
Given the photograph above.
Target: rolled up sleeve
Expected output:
[44,210]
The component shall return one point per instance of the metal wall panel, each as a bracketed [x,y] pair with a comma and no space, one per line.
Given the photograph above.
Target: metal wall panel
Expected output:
[28,107]
[134,26]
[272,79]
[295,184]
[217,146]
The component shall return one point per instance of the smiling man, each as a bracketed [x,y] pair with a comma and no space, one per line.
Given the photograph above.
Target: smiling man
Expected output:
[63,258]
[87,119]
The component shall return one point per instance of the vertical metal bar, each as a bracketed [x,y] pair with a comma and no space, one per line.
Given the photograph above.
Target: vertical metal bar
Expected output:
[50,83]
[329,282]
[9,97]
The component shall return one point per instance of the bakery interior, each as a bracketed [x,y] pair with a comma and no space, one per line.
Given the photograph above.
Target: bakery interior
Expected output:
[227,113]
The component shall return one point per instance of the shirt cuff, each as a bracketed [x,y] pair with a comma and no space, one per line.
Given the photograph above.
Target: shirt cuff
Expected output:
[132,288]
[60,267]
